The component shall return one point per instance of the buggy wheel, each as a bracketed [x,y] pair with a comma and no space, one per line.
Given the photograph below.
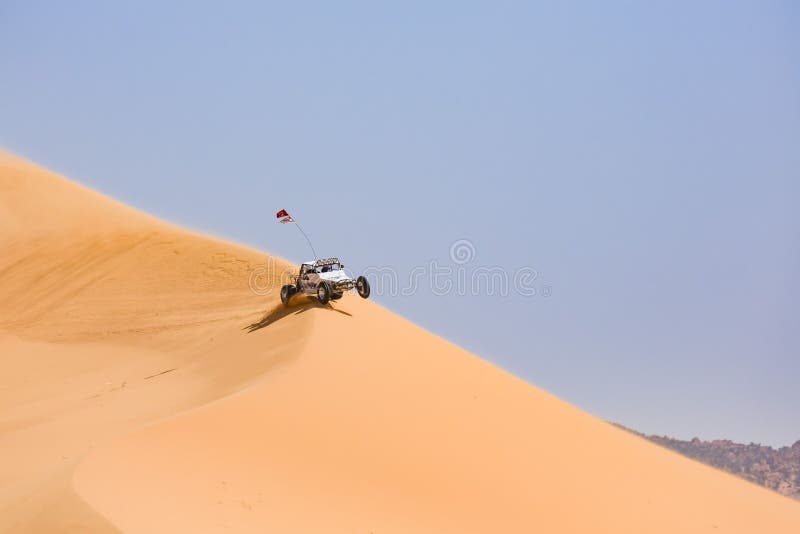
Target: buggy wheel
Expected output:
[323,292]
[362,286]
[286,294]
[336,296]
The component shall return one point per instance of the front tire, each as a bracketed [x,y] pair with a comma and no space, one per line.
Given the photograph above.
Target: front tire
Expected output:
[324,292]
[362,286]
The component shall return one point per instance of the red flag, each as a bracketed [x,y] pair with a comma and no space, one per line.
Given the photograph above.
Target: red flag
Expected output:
[282,213]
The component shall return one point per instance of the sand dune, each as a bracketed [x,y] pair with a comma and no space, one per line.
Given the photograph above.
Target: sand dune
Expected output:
[94,298]
[135,397]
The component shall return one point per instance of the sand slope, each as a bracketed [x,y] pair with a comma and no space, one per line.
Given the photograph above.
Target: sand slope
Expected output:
[336,419]
[94,299]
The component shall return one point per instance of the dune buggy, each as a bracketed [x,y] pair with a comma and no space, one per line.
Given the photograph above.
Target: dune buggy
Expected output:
[324,279]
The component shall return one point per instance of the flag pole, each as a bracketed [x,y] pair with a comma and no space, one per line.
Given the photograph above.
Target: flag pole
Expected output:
[307,239]
[284,217]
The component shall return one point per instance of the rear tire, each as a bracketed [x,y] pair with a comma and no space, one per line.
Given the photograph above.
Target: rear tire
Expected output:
[362,286]
[286,294]
[336,296]
[324,292]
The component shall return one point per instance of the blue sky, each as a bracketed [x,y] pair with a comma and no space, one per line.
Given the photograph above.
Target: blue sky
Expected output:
[643,158]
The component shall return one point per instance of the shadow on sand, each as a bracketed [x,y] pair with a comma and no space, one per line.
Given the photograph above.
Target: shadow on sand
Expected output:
[295,307]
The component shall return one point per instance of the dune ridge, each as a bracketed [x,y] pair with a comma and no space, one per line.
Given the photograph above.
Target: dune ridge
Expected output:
[149,390]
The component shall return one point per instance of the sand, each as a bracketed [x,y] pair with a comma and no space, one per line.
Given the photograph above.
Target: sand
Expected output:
[146,388]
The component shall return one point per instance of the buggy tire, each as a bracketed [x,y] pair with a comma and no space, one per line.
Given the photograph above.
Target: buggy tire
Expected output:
[286,294]
[336,296]
[362,286]
[324,292]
